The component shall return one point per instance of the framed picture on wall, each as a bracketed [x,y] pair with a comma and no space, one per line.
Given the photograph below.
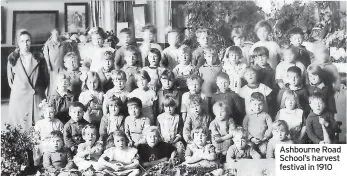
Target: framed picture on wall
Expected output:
[38,23]
[139,13]
[76,17]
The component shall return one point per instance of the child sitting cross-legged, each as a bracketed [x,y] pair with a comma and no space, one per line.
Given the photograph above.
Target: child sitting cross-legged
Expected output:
[280,132]
[120,159]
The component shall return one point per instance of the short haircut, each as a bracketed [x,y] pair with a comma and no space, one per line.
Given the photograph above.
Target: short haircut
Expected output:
[119,133]
[133,49]
[315,70]
[210,50]
[198,129]
[125,31]
[257,96]
[294,69]
[295,30]
[134,101]
[184,49]
[290,94]
[260,51]
[77,104]
[113,99]
[152,129]
[170,101]
[161,62]
[250,69]
[168,74]
[316,96]
[222,104]
[150,28]
[237,31]
[107,55]
[233,49]
[194,100]
[22,32]
[195,77]
[202,30]
[175,29]
[89,126]
[240,132]
[142,74]
[280,125]
[223,75]
[91,75]
[70,55]
[118,75]
[56,134]
[261,24]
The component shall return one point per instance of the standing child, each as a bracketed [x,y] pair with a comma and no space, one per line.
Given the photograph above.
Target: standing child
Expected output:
[292,113]
[58,159]
[92,98]
[263,30]
[167,81]
[266,74]
[320,123]
[209,71]
[184,68]
[232,99]
[149,36]
[234,67]
[120,159]
[135,122]
[125,39]
[259,123]
[73,128]
[254,86]
[147,96]
[132,58]
[105,73]
[113,120]
[62,97]
[89,152]
[280,132]
[170,124]
[196,117]
[290,59]
[238,37]
[72,70]
[222,128]
[169,54]
[296,37]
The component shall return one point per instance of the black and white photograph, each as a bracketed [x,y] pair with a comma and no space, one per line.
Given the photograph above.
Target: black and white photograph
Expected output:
[172,87]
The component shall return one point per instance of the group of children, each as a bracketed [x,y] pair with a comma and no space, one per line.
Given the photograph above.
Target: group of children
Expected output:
[134,108]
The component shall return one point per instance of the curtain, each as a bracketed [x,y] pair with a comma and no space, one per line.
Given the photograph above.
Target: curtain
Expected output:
[103,14]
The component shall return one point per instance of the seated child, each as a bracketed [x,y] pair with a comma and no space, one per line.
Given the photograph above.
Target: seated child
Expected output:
[320,123]
[57,159]
[241,148]
[289,60]
[222,128]
[266,74]
[196,117]
[170,124]
[92,98]
[253,86]
[194,85]
[184,69]
[135,122]
[132,58]
[73,128]
[71,64]
[44,127]
[120,159]
[174,38]
[280,132]
[112,121]
[125,39]
[293,115]
[258,123]
[209,71]
[147,96]
[155,151]
[62,97]
[234,67]
[154,67]
[89,152]
[224,93]
[105,73]
[149,35]
[296,37]
[167,82]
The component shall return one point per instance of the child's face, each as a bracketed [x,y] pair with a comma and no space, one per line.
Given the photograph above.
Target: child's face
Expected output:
[172,38]
[290,103]
[166,83]
[119,142]
[83,39]
[152,139]
[89,135]
[240,142]
[108,64]
[200,138]
[257,106]
[203,39]
[183,57]
[261,60]
[314,79]
[195,108]
[119,84]
[289,56]
[250,76]
[263,34]
[97,40]
[238,40]
[71,64]
[63,84]
[223,84]
[148,36]
[113,108]
[170,109]
[76,113]
[57,143]
[130,58]
[279,134]
[134,110]
[49,113]
[92,84]
[124,38]
[317,106]
[293,78]
[153,59]
[233,58]
[142,83]
[296,40]
[194,86]
[209,57]
[221,113]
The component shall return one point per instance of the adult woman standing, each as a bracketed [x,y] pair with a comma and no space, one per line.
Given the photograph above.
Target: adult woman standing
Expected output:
[28,79]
